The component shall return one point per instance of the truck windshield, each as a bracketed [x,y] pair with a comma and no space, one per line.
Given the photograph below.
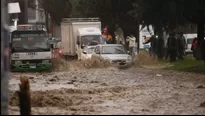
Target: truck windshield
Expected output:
[88,39]
[26,41]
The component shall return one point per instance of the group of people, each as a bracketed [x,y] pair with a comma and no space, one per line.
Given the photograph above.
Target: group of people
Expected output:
[175,47]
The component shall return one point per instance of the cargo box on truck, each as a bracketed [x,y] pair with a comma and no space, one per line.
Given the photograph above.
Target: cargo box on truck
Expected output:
[77,33]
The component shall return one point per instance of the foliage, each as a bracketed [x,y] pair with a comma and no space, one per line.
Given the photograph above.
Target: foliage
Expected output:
[128,14]
[57,9]
[189,64]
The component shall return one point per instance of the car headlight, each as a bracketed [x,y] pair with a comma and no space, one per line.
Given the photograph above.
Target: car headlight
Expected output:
[45,61]
[18,62]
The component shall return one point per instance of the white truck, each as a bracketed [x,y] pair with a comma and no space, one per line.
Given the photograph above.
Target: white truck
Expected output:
[30,50]
[76,33]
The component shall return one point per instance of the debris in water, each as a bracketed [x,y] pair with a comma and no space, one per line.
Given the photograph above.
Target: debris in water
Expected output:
[70,82]
[200,87]
[104,84]
[158,75]
[31,77]
[202,104]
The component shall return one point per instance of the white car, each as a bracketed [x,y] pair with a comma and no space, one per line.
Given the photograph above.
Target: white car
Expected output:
[115,53]
[189,39]
[189,44]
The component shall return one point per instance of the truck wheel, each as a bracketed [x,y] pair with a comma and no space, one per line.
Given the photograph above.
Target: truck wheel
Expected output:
[75,57]
[66,57]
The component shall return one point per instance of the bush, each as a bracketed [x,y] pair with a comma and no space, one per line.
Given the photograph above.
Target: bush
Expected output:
[144,58]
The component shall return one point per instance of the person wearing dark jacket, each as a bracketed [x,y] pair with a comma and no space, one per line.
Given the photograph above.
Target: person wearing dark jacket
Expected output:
[172,47]
[181,46]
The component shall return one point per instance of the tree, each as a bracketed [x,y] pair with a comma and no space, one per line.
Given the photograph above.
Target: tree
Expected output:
[170,14]
[23,16]
[57,9]
[111,12]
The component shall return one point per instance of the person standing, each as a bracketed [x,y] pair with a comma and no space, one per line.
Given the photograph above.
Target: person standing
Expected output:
[132,40]
[194,46]
[109,37]
[172,47]
[181,46]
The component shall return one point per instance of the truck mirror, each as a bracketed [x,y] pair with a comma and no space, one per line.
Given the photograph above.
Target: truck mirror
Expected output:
[82,47]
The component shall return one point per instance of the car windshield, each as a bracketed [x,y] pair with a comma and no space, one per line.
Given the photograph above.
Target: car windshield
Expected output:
[86,40]
[113,50]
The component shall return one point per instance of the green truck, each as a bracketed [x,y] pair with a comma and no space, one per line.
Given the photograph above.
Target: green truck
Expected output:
[30,49]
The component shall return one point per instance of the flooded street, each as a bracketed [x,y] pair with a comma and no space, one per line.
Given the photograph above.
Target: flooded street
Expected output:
[112,91]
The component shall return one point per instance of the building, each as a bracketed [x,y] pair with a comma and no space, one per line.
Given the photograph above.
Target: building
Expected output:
[36,14]
[33,12]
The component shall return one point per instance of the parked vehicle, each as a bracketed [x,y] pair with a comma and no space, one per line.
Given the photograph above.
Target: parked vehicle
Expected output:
[30,50]
[76,33]
[189,39]
[114,53]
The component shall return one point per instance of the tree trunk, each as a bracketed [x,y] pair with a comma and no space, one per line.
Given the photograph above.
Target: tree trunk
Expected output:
[26,11]
[137,36]
[47,26]
[200,30]
[201,35]
[21,15]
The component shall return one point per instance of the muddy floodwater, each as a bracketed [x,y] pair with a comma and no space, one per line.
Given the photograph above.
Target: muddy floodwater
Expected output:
[112,91]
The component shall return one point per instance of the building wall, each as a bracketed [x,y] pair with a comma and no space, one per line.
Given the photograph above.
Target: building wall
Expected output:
[36,15]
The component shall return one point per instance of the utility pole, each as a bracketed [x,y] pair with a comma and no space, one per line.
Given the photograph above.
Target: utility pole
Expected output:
[26,11]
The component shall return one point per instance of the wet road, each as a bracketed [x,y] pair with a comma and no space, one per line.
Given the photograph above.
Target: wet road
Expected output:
[113,91]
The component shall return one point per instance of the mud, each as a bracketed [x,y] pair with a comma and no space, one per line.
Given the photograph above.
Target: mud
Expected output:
[112,91]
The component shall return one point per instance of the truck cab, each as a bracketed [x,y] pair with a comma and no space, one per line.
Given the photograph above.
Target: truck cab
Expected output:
[30,49]
[88,37]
